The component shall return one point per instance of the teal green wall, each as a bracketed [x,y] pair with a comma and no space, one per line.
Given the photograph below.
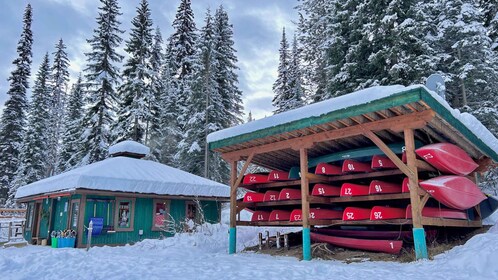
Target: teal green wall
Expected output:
[104,206]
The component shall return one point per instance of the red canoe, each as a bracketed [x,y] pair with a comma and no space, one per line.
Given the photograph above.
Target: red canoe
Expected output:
[354,166]
[251,179]
[387,213]
[349,189]
[382,162]
[328,169]
[277,175]
[279,215]
[316,214]
[254,197]
[454,191]
[381,187]
[260,216]
[289,194]
[271,196]
[405,186]
[355,214]
[436,212]
[296,215]
[448,158]
[325,214]
[375,234]
[326,190]
[385,246]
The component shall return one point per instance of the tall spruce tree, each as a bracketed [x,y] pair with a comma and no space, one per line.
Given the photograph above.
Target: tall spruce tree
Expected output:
[180,56]
[13,120]
[101,78]
[281,87]
[34,163]
[71,147]
[135,93]
[205,105]
[226,77]
[295,78]
[154,123]
[60,79]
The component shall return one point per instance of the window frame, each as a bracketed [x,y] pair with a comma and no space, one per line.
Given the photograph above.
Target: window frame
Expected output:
[30,211]
[168,211]
[72,202]
[131,214]
[196,218]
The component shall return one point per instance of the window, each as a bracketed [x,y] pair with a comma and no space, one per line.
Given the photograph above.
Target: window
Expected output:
[160,214]
[124,214]
[29,216]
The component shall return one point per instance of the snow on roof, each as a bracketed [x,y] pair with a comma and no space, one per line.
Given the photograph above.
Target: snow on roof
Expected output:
[129,146]
[363,96]
[128,175]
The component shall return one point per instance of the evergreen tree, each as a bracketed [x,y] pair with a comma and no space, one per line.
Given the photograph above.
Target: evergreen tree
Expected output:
[60,78]
[154,126]
[13,120]
[295,78]
[101,78]
[288,86]
[180,57]
[34,153]
[135,92]
[226,76]
[71,148]
[205,105]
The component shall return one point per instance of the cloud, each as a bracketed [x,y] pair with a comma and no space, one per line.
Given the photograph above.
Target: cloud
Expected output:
[85,7]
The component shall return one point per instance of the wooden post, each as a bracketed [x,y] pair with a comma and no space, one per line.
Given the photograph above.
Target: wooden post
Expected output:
[232,248]
[303,154]
[418,229]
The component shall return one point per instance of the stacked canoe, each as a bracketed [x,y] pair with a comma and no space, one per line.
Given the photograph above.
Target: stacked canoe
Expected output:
[452,192]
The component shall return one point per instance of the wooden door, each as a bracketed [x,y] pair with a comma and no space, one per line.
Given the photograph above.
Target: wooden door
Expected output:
[36,222]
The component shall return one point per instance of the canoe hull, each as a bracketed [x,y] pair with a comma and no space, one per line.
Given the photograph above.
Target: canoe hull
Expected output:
[328,169]
[447,158]
[251,179]
[356,214]
[386,213]
[277,175]
[316,214]
[325,190]
[271,196]
[279,215]
[349,189]
[436,212]
[456,192]
[254,197]
[382,162]
[381,187]
[260,216]
[289,194]
[353,166]
[385,246]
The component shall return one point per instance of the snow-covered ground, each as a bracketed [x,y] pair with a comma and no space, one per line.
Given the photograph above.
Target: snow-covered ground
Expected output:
[204,256]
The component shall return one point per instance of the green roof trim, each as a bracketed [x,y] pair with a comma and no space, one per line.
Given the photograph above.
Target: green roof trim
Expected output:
[456,123]
[397,99]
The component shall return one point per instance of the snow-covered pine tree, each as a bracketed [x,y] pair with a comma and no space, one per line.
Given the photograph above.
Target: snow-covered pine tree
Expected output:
[13,120]
[135,91]
[205,105]
[33,159]
[154,123]
[226,77]
[71,151]
[58,95]
[101,78]
[467,59]
[289,92]
[281,87]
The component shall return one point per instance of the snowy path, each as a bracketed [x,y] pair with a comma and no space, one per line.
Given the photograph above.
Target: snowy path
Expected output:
[203,256]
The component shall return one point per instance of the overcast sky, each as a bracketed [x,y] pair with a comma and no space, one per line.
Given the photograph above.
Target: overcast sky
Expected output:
[257,28]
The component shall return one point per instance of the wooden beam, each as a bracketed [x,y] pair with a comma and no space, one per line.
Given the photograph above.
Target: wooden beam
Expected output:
[233,194]
[413,177]
[389,153]
[81,221]
[414,120]
[303,154]
[439,222]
